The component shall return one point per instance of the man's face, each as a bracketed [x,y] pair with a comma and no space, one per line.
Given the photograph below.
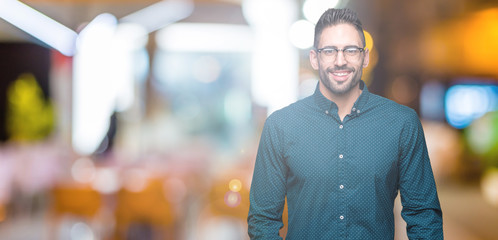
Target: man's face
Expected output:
[341,74]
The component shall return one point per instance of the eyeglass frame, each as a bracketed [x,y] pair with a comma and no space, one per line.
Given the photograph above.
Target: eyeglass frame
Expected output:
[361,50]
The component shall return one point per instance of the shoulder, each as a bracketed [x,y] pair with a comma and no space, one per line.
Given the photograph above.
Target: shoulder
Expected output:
[288,119]
[400,118]
[390,108]
[292,112]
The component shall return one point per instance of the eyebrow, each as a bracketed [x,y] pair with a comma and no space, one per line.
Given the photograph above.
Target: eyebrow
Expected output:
[348,46]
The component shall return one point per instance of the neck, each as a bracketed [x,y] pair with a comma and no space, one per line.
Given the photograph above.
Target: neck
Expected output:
[343,101]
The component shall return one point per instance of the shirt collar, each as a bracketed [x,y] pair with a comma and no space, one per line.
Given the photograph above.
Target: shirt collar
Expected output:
[327,106]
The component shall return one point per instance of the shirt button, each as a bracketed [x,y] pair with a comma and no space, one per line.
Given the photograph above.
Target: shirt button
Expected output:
[341,126]
[341,217]
[327,112]
[341,156]
[358,111]
[354,109]
[341,186]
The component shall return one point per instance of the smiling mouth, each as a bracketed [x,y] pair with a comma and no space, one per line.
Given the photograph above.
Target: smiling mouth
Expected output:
[340,74]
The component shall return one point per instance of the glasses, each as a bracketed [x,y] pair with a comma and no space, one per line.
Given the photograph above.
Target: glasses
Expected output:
[351,54]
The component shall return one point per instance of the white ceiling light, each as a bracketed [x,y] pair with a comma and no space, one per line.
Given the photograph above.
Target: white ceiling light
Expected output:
[185,37]
[94,85]
[39,26]
[302,34]
[160,14]
[313,9]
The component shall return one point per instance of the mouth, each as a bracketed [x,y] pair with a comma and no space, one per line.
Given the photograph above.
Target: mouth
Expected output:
[341,76]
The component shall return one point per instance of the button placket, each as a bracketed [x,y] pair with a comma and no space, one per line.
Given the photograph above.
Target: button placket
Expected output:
[342,151]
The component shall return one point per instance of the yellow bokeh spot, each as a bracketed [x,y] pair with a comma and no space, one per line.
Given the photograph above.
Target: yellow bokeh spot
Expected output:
[369,44]
[368,40]
[235,185]
[464,46]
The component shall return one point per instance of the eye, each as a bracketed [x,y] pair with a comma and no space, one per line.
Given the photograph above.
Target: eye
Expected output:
[329,51]
[351,51]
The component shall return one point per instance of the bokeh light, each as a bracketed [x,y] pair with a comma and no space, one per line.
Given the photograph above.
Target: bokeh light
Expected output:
[481,136]
[81,231]
[301,34]
[135,179]
[232,199]
[106,180]
[489,186]
[373,57]
[235,185]
[465,103]
[83,170]
[369,42]
[313,9]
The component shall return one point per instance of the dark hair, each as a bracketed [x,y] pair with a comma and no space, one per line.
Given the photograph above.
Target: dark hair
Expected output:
[332,17]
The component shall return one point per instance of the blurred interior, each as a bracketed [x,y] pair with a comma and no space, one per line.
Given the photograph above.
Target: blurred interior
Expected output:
[140,119]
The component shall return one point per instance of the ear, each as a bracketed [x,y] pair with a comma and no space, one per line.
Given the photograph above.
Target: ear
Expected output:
[366,58]
[314,59]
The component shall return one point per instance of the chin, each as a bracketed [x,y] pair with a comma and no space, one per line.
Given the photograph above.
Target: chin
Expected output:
[344,88]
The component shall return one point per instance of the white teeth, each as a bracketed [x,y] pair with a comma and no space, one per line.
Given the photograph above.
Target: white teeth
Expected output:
[340,74]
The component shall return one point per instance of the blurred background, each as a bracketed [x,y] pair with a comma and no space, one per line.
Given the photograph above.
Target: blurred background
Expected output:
[140,119]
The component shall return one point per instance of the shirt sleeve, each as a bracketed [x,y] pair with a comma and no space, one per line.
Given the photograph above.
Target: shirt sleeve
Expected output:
[267,194]
[421,210]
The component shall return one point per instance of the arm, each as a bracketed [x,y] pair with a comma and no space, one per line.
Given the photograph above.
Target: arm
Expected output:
[267,194]
[421,210]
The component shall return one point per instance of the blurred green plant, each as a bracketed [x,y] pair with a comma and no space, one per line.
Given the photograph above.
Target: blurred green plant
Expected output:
[29,116]
[482,138]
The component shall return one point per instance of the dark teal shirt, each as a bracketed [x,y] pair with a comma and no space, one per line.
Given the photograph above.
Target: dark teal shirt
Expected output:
[341,177]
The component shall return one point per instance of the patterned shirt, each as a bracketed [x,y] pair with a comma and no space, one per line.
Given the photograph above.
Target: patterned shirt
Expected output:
[341,178]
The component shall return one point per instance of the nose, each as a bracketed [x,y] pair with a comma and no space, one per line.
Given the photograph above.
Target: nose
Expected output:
[340,60]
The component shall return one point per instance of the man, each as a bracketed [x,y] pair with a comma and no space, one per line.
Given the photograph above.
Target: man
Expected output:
[341,155]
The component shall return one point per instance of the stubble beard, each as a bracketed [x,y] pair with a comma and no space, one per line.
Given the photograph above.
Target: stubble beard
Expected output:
[344,88]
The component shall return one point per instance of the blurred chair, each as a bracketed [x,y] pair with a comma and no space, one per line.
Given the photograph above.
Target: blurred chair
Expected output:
[79,202]
[144,214]
[3,212]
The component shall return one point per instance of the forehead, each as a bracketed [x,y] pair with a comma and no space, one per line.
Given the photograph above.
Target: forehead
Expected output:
[340,35]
